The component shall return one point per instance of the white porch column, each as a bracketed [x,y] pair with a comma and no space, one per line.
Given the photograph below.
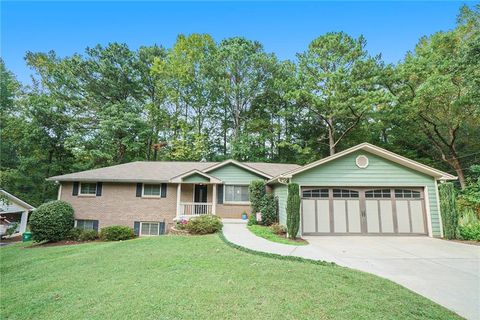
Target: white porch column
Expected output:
[214,199]
[179,193]
[23,222]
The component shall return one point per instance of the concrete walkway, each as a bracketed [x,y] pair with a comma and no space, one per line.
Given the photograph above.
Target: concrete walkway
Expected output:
[443,271]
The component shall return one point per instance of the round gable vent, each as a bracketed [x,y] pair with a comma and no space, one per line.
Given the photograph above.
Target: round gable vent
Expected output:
[362,161]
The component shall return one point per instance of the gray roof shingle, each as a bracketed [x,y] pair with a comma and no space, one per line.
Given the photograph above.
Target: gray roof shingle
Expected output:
[160,171]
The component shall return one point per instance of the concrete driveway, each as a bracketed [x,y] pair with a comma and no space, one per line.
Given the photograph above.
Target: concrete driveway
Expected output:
[443,271]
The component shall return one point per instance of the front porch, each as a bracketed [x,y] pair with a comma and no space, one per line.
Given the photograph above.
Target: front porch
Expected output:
[196,199]
[196,194]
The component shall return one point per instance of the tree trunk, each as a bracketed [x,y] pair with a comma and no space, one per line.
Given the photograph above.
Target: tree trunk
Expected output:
[455,163]
[331,136]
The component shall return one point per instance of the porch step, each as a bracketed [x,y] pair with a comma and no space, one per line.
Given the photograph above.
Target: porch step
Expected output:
[237,221]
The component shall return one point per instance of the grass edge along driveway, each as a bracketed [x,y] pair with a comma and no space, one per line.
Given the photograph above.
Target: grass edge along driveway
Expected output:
[175,277]
[267,233]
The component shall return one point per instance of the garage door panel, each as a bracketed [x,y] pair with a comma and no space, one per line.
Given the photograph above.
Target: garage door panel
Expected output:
[403,219]
[416,211]
[339,216]
[371,212]
[386,216]
[354,217]
[360,210]
[308,215]
[323,216]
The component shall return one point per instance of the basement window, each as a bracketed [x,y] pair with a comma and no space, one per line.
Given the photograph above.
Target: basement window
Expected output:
[149,228]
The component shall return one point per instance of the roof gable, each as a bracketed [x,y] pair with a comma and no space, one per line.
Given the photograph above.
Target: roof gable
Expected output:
[15,200]
[195,176]
[385,154]
[239,164]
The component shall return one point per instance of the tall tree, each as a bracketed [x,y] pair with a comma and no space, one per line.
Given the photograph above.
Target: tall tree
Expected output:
[339,83]
[243,73]
[438,87]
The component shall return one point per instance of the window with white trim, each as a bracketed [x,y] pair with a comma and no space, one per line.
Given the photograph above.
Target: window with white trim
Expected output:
[149,228]
[84,224]
[236,193]
[151,190]
[88,188]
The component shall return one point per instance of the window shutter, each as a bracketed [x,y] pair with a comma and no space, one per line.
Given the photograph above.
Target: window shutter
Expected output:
[139,189]
[136,228]
[220,194]
[95,225]
[99,189]
[163,192]
[161,227]
[75,189]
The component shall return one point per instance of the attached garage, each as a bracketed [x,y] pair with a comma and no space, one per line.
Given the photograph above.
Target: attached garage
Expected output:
[365,190]
[363,211]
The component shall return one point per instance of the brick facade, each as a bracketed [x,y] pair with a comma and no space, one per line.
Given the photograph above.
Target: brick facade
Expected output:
[118,204]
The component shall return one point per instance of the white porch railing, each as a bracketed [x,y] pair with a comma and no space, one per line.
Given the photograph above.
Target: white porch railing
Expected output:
[195,208]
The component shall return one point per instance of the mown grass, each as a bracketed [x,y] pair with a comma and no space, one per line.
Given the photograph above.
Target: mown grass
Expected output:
[267,233]
[175,277]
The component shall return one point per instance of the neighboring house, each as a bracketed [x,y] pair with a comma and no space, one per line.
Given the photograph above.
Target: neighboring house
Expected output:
[14,210]
[362,190]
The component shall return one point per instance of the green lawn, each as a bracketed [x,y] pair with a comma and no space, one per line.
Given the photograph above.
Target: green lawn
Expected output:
[174,277]
[266,232]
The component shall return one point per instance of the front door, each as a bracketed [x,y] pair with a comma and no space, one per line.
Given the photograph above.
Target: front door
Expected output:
[200,195]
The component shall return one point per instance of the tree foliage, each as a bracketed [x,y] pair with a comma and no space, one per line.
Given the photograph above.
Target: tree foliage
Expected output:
[201,99]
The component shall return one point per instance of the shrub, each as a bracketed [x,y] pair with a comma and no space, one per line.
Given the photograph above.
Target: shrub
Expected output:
[52,221]
[278,229]
[252,219]
[256,192]
[116,233]
[269,209]
[448,210]
[293,210]
[204,224]
[470,231]
[88,235]
[77,234]
[469,225]
[73,234]
[469,197]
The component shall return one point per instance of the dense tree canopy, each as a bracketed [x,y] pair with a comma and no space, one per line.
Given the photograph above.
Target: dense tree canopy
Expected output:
[201,99]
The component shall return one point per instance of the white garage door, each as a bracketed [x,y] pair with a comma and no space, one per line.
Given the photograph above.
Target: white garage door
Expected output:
[378,211]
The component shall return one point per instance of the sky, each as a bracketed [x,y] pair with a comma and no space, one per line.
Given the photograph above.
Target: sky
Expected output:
[284,28]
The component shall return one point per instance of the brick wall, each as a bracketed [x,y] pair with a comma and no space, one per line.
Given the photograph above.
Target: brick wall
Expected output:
[118,205]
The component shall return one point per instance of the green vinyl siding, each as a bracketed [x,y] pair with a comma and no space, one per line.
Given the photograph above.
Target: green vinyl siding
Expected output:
[233,174]
[195,178]
[380,172]
[281,192]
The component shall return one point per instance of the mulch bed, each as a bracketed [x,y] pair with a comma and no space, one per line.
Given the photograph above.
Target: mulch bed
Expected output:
[178,232]
[56,244]
[300,240]
[12,239]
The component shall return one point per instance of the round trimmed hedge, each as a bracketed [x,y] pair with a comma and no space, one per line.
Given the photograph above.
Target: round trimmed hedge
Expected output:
[52,221]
